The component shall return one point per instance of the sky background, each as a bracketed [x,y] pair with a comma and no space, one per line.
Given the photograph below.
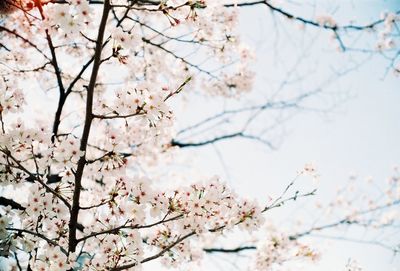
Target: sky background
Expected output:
[359,134]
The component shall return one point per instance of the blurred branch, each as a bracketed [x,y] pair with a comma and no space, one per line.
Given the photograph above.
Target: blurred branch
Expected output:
[310,232]
[227,250]
[220,138]
[308,21]
[25,40]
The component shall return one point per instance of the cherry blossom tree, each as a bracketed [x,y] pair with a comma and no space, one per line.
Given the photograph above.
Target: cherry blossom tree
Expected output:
[81,177]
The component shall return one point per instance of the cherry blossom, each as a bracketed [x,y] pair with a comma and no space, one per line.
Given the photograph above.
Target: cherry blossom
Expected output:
[88,124]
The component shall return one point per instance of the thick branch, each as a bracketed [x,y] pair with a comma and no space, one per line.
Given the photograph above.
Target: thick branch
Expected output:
[54,62]
[13,204]
[86,130]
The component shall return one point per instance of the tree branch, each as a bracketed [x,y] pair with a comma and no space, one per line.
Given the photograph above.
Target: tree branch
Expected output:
[2,28]
[9,202]
[307,21]
[219,138]
[86,130]
[229,250]
[157,255]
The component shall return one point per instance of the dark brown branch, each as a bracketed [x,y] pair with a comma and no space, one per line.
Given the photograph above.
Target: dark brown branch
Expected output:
[70,89]
[180,144]
[116,230]
[57,118]
[13,204]
[229,250]
[206,142]
[308,21]
[103,117]
[54,62]
[42,236]
[66,93]
[17,206]
[86,130]
[36,178]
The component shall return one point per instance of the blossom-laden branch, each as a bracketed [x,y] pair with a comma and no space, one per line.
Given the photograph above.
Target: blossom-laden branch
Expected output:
[37,179]
[157,255]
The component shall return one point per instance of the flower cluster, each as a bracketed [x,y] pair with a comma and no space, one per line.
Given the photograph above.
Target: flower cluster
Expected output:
[326,20]
[387,40]
[68,19]
[52,258]
[11,99]
[133,218]
[278,249]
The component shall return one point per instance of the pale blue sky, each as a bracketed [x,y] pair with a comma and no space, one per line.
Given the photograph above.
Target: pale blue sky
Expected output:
[359,135]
